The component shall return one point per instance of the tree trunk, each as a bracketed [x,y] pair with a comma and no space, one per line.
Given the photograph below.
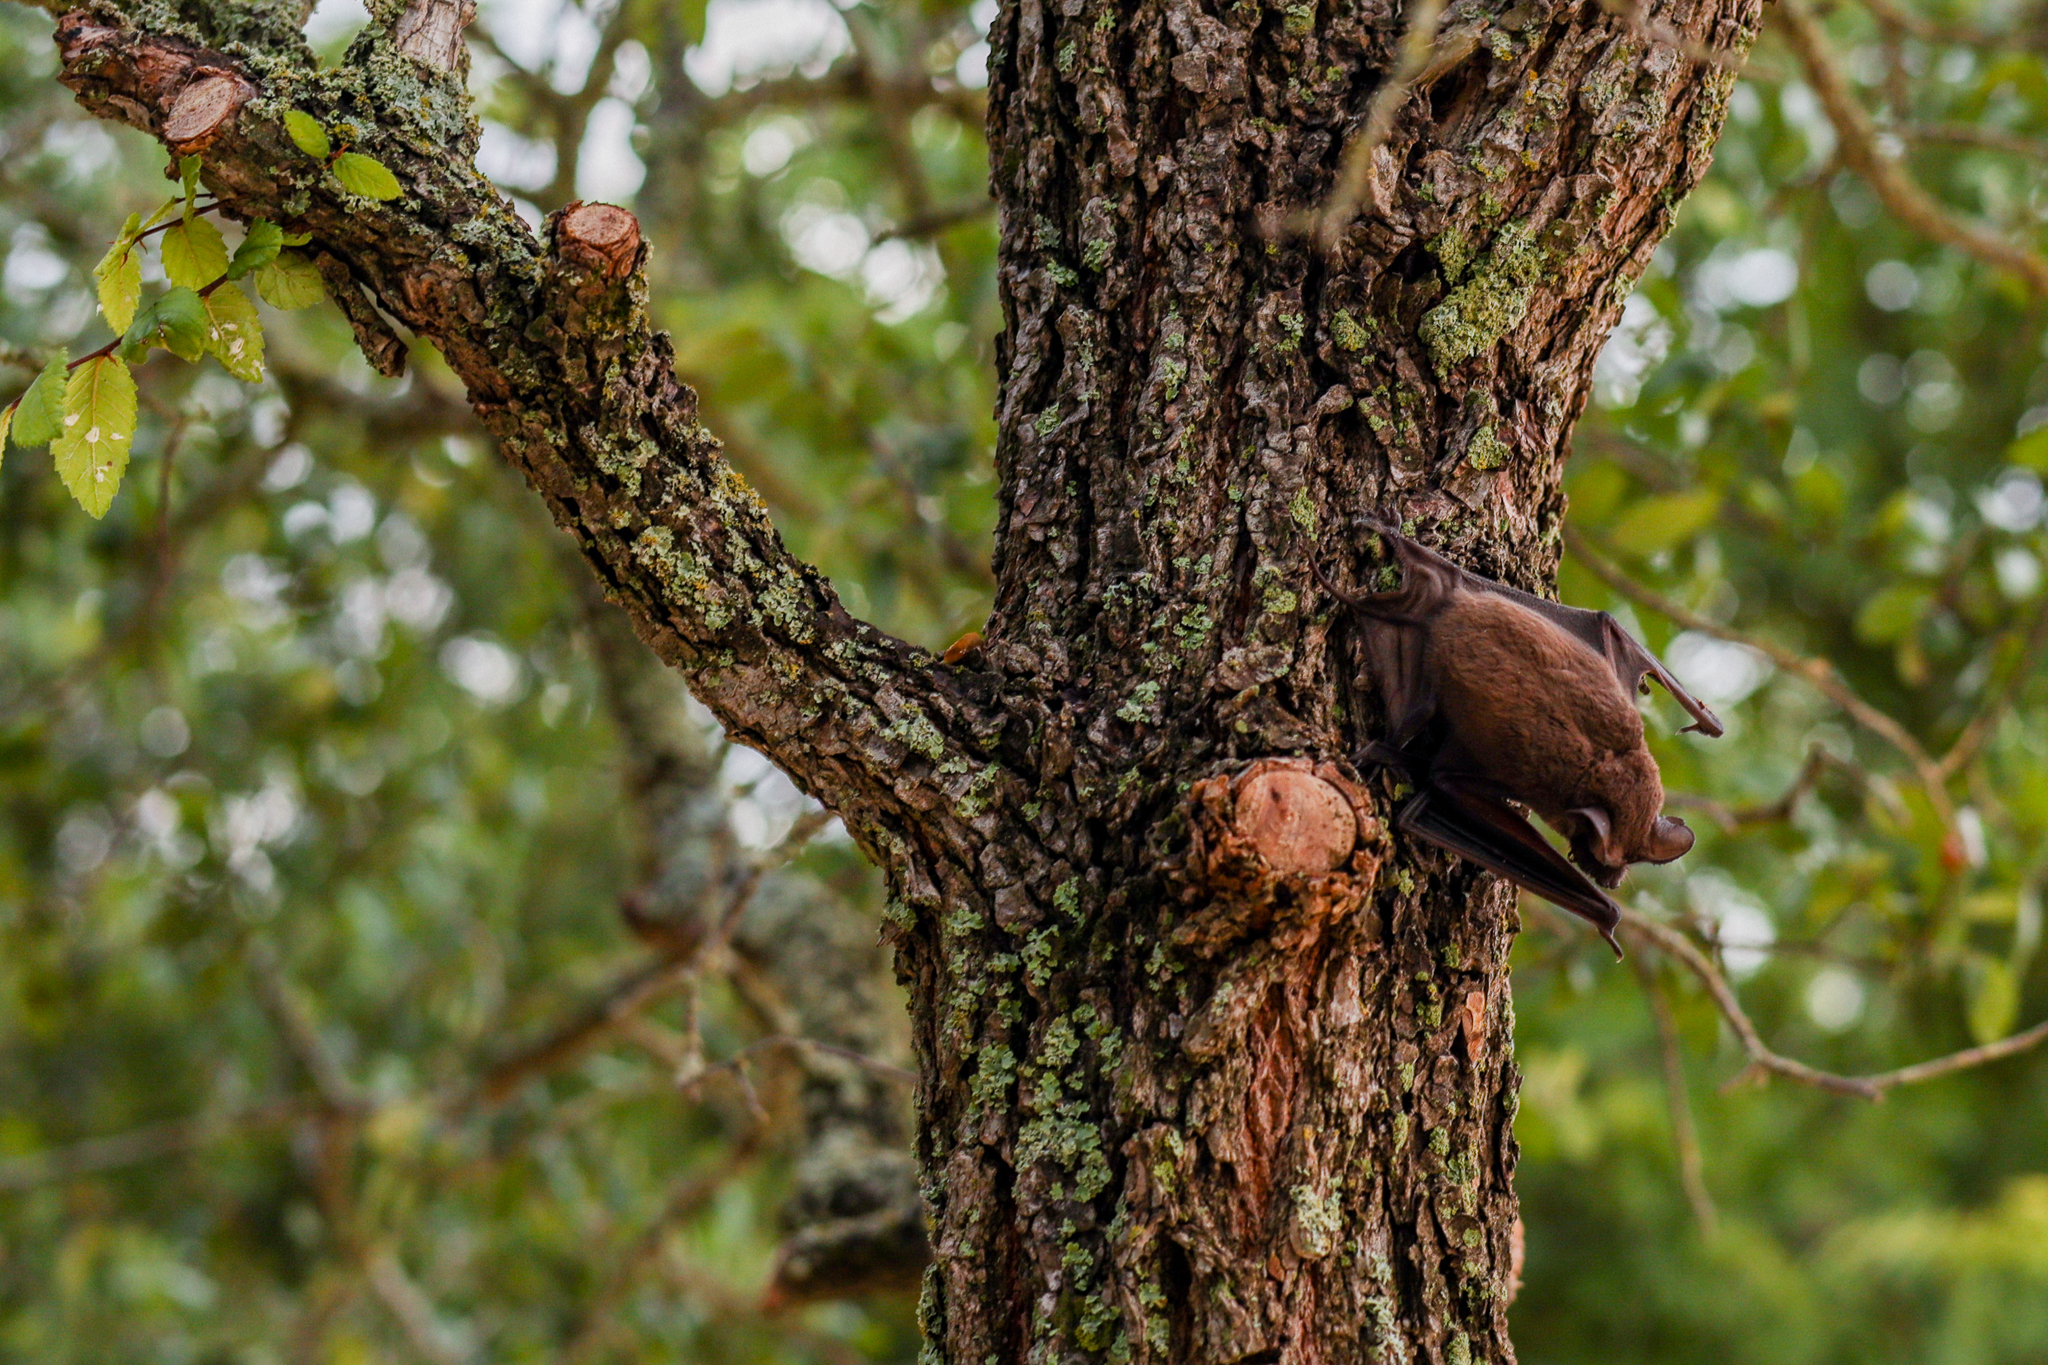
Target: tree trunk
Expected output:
[1213,1070]
[1179,1104]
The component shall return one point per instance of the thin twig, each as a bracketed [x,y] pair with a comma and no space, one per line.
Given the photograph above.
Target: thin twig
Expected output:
[687,1197]
[1820,673]
[1692,1171]
[1355,182]
[1893,15]
[1641,929]
[1899,192]
[932,222]
[641,988]
[1973,735]
[148,1143]
[414,1313]
[1734,818]
[1972,135]
[338,1094]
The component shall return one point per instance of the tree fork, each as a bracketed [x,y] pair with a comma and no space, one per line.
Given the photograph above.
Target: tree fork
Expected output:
[1212,1070]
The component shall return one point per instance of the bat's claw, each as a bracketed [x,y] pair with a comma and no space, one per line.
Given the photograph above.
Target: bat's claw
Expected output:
[1612,942]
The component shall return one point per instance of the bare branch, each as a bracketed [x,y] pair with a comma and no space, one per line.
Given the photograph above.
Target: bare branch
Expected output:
[1973,735]
[1820,673]
[1684,1136]
[932,222]
[687,1197]
[412,1309]
[338,1094]
[148,1143]
[1641,929]
[1734,818]
[1899,192]
[1975,135]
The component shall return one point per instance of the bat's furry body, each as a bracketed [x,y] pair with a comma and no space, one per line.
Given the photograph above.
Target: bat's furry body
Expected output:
[1497,697]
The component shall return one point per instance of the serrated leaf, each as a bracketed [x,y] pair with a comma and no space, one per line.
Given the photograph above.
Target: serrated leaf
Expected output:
[307,134]
[120,286]
[130,230]
[259,248]
[91,452]
[290,281]
[6,420]
[365,175]
[182,322]
[195,255]
[39,416]
[188,173]
[234,333]
[170,206]
[297,238]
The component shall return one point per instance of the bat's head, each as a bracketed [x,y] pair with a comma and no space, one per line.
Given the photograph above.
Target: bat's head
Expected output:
[1605,851]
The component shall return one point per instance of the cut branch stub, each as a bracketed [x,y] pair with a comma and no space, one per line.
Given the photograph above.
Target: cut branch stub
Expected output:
[206,105]
[601,237]
[430,31]
[1295,820]
[1285,846]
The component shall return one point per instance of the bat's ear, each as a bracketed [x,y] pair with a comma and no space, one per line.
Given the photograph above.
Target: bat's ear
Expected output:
[1602,830]
[1670,839]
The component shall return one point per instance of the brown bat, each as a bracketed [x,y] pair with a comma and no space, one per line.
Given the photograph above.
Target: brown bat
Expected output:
[1496,698]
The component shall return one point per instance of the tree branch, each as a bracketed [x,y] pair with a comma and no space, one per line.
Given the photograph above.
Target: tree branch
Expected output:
[1899,192]
[1642,929]
[563,367]
[1820,673]
[1692,1173]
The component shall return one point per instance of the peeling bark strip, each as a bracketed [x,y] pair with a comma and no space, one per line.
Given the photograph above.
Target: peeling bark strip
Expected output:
[1208,1073]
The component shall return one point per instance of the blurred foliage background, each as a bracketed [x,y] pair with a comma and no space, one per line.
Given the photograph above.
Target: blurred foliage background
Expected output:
[394,965]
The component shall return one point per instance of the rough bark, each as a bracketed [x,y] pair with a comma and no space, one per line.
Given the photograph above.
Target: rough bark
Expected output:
[1212,1070]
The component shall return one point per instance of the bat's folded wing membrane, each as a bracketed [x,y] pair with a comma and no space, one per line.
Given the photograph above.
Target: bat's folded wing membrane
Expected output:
[1605,637]
[1479,826]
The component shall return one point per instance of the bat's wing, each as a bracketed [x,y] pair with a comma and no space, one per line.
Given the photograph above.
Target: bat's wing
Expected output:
[1472,823]
[1393,632]
[1600,631]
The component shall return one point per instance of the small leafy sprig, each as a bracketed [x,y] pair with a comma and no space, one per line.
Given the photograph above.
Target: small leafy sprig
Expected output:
[358,174]
[85,409]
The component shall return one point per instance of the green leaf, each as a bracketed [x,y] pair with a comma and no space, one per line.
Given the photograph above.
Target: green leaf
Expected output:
[6,420]
[1890,613]
[307,134]
[41,410]
[120,277]
[365,175]
[690,17]
[290,281]
[2030,450]
[177,319]
[194,253]
[182,322]
[188,173]
[1994,998]
[234,333]
[1659,523]
[170,206]
[259,248]
[99,426]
